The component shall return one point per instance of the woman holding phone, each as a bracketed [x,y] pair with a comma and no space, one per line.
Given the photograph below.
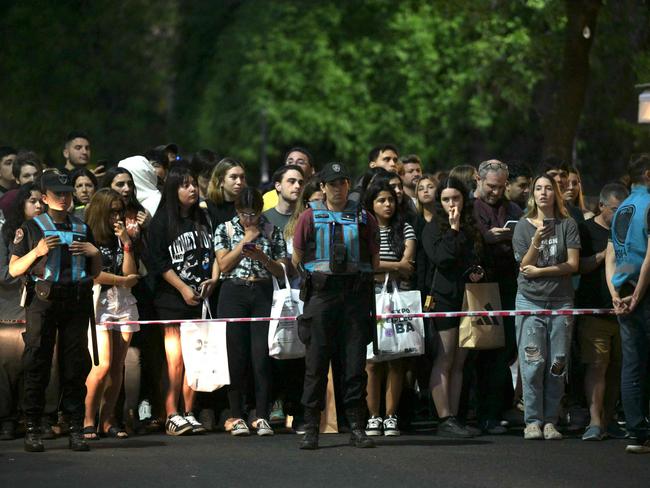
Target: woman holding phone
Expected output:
[249,250]
[182,256]
[105,217]
[546,244]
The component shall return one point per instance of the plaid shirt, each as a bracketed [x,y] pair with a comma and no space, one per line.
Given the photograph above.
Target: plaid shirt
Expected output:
[247,267]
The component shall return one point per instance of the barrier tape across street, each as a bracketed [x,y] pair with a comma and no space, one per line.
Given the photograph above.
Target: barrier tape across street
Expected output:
[425,315]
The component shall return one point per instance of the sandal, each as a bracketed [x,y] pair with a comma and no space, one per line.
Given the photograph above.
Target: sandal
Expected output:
[90,433]
[116,432]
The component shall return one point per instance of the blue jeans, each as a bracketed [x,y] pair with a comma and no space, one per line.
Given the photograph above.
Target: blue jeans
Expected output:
[635,344]
[544,343]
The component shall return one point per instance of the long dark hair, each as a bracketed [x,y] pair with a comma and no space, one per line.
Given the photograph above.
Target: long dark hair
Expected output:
[397,221]
[107,181]
[467,223]
[16,216]
[179,174]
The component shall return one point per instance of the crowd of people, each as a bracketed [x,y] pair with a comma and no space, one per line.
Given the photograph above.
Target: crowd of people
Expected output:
[162,237]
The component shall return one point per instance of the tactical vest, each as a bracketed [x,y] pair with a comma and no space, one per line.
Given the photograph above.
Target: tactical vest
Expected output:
[630,236]
[67,237]
[330,225]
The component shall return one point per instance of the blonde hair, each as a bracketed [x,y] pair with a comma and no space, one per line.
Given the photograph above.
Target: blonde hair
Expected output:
[215,186]
[559,210]
[432,179]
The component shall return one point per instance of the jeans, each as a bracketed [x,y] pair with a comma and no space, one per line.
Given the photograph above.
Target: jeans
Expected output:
[544,343]
[635,343]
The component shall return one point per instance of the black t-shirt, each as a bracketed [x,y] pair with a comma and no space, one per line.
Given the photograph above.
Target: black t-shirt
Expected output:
[28,237]
[112,260]
[190,255]
[593,291]
[220,213]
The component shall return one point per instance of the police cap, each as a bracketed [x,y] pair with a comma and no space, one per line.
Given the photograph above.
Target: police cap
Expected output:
[56,182]
[333,171]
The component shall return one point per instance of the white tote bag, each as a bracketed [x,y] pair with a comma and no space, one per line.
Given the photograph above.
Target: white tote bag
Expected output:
[205,353]
[284,342]
[399,337]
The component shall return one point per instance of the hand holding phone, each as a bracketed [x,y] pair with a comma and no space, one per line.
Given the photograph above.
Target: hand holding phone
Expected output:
[549,228]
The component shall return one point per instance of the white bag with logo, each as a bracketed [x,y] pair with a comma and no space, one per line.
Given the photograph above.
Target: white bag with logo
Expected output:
[398,337]
[284,342]
[205,353]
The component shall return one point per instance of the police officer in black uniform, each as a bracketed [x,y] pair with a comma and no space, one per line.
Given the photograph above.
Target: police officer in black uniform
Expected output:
[55,252]
[336,246]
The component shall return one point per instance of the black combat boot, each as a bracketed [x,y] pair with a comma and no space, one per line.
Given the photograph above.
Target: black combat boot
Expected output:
[33,440]
[76,439]
[312,427]
[358,437]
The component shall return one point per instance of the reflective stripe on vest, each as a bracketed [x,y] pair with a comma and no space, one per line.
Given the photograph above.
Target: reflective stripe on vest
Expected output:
[629,231]
[67,237]
[324,222]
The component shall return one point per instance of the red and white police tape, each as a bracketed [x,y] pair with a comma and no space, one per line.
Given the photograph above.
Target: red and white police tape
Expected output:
[426,315]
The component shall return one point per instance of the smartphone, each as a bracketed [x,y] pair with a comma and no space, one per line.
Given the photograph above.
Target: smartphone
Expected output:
[249,246]
[550,223]
[510,224]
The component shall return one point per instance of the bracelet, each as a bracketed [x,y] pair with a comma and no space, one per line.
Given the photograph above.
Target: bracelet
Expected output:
[532,243]
[114,280]
[268,261]
[127,248]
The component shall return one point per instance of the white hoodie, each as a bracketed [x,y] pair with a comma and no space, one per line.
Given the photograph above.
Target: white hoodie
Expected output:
[145,180]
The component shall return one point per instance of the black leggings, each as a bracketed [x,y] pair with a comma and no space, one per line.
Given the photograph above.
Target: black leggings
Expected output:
[247,343]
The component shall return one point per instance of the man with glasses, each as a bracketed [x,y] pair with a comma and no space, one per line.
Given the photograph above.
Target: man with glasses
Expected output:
[599,337]
[492,211]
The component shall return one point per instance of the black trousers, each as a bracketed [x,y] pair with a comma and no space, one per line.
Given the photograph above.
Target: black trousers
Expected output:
[335,320]
[44,319]
[248,348]
[495,390]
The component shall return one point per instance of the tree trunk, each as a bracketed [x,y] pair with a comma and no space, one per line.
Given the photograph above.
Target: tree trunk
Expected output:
[562,124]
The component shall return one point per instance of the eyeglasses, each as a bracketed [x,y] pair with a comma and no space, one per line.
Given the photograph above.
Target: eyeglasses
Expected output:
[250,215]
[492,165]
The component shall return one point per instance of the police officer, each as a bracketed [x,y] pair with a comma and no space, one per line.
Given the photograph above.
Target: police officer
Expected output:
[336,245]
[627,266]
[55,252]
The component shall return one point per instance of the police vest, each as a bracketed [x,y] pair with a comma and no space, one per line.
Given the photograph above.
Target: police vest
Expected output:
[319,253]
[67,237]
[630,236]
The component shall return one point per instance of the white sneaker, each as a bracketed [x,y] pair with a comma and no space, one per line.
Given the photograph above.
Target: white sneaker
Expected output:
[533,432]
[638,448]
[390,425]
[263,428]
[144,410]
[551,433]
[197,427]
[374,426]
[177,425]
[239,427]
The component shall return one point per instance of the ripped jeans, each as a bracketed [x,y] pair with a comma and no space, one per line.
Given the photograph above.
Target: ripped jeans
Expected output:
[544,343]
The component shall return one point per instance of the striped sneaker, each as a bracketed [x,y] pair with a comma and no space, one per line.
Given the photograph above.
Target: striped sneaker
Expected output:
[177,425]
[197,427]
[263,428]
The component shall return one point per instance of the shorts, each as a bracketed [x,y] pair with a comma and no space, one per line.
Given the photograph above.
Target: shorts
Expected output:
[446,323]
[117,304]
[600,340]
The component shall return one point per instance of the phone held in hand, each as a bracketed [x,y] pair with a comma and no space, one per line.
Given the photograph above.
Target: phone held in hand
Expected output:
[249,246]
[550,224]
[510,224]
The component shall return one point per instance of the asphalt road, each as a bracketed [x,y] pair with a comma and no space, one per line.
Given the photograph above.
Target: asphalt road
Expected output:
[220,460]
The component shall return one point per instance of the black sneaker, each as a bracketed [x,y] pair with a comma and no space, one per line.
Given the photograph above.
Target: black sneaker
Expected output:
[375,426]
[177,425]
[452,428]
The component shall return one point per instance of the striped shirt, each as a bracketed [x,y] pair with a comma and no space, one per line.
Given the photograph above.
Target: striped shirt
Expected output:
[386,253]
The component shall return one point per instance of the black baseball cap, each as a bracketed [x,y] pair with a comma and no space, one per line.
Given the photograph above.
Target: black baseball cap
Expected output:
[333,171]
[56,182]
